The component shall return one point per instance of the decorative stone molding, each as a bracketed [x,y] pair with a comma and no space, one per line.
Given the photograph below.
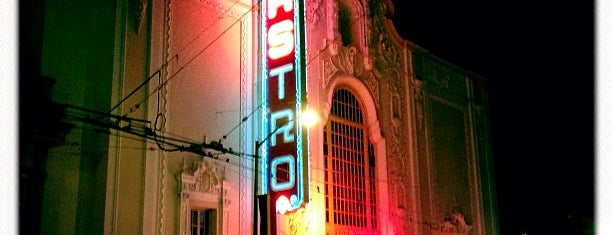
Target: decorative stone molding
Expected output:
[332,19]
[396,221]
[300,221]
[398,171]
[456,222]
[202,183]
[453,223]
[401,189]
[329,69]
[395,109]
[418,101]
[333,48]
[313,13]
[326,110]
[375,135]
[368,62]
[440,79]
[203,177]
[162,97]
[372,84]
[226,9]
[378,20]
[389,53]
[388,11]
[245,82]
[347,60]
[138,9]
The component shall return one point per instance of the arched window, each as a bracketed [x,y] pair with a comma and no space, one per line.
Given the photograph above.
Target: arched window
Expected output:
[350,186]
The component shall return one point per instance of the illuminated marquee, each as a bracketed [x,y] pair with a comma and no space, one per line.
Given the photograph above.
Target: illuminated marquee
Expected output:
[283,91]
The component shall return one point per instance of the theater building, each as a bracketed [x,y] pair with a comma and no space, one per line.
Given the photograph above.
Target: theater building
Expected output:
[185,113]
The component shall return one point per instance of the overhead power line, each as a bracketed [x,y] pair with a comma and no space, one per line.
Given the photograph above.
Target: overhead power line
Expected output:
[175,73]
[142,128]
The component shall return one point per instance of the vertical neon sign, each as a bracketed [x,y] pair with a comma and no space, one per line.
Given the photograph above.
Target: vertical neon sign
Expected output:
[284,95]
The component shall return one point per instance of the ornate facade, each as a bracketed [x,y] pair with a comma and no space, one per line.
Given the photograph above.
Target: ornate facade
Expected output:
[402,146]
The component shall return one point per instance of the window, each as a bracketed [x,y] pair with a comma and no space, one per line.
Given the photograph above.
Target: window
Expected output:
[345,25]
[202,198]
[350,186]
[203,222]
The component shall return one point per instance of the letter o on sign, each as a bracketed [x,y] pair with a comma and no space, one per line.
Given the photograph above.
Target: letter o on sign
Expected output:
[279,186]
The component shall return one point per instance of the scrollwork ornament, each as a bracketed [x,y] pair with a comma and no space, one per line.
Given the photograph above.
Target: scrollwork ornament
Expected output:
[299,222]
[329,69]
[372,84]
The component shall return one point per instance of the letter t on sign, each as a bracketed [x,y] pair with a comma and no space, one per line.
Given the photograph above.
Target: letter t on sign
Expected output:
[280,72]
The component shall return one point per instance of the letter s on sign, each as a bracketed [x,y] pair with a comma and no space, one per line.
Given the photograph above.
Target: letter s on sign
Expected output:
[280,39]
[275,4]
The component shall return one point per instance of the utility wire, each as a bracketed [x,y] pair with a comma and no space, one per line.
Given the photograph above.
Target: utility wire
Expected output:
[165,64]
[244,119]
[432,225]
[158,72]
[101,114]
[199,53]
[190,144]
[105,121]
[158,88]
[180,144]
[213,156]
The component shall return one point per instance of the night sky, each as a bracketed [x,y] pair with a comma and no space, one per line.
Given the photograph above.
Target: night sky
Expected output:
[538,57]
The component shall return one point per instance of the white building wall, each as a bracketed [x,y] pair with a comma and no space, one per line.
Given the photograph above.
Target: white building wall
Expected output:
[201,72]
[209,80]
[205,54]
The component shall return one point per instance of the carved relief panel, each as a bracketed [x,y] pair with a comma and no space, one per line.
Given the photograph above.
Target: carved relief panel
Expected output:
[203,186]
[454,199]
